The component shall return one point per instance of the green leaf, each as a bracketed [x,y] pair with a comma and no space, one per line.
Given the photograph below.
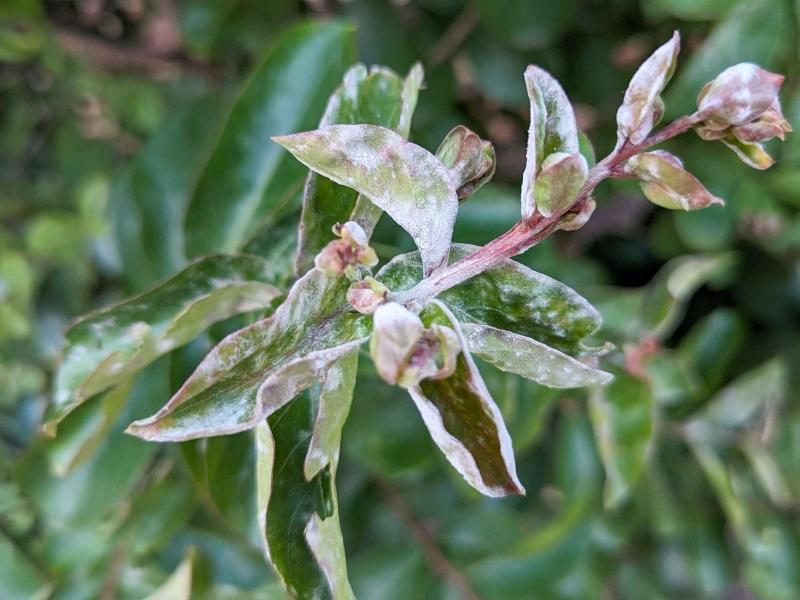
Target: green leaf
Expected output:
[298,516]
[558,183]
[107,346]
[750,153]
[148,202]
[508,296]
[376,97]
[405,180]
[533,360]
[19,579]
[623,416]
[243,180]
[178,585]
[666,295]
[552,130]
[525,24]
[463,419]
[258,369]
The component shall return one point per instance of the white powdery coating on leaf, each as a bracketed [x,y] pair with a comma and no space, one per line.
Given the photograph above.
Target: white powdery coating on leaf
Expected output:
[324,538]
[455,451]
[405,180]
[641,108]
[524,356]
[740,93]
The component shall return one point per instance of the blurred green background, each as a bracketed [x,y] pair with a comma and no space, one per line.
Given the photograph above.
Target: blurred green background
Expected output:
[108,111]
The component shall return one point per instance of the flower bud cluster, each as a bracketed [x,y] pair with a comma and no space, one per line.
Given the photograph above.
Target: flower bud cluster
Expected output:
[342,256]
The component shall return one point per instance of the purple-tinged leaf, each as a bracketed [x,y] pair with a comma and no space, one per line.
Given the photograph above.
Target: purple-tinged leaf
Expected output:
[256,370]
[552,129]
[109,345]
[739,94]
[463,419]
[666,183]
[533,360]
[642,106]
[470,159]
[771,124]
[405,180]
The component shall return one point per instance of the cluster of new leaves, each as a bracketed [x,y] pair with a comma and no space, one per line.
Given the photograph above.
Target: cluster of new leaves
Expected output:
[291,374]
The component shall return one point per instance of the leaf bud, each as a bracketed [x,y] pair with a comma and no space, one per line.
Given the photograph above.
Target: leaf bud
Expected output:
[367,295]
[470,160]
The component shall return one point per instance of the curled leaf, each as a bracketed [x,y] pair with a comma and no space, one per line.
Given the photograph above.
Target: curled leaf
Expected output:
[750,153]
[739,94]
[396,331]
[666,183]
[405,180]
[642,106]
[533,360]
[560,180]
[253,372]
[470,159]
[767,126]
[463,419]
[108,346]
[367,295]
[552,129]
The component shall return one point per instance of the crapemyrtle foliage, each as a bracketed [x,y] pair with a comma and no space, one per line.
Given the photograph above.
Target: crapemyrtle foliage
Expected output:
[423,317]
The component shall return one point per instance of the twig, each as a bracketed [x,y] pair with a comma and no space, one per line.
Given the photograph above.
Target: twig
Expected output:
[117,58]
[527,233]
[454,35]
[433,554]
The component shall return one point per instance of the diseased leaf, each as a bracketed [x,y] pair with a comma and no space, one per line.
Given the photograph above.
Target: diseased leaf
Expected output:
[508,296]
[464,421]
[739,94]
[750,153]
[335,398]
[240,183]
[533,360]
[107,346]
[470,159]
[666,183]
[623,415]
[558,183]
[405,180]
[552,129]
[256,370]
[642,106]
[376,97]
[298,517]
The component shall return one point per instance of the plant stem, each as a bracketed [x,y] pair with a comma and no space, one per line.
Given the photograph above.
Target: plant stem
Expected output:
[527,233]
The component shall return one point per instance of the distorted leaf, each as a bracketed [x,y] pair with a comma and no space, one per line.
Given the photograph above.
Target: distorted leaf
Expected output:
[552,129]
[109,345]
[508,296]
[558,183]
[244,165]
[403,179]
[464,421]
[533,360]
[750,153]
[367,295]
[470,159]
[642,106]
[739,94]
[622,415]
[375,97]
[396,331]
[256,370]
[666,183]
[770,124]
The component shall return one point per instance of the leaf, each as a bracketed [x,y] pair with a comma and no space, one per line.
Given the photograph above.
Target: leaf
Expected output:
[107,346]
[750,153]
[623,415]
[533,360]
[19,578]
[739,94]
[405,180]
[508,296]
[559,182]
[376,97]
[464,421]
[298,517]
[335,398]
[256,370]
[470,160]
[552,129]
[642,106]
[148,202]
[286,93]
[666,183]
[179,584]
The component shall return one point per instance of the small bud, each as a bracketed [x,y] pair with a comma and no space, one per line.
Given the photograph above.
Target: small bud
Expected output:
[739,94]
[447,348]
[470,160]
[666,183]
[367,295]
[396,331]
[771,124]
[642,106]
[558,183]
[574,221]
[341,256]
